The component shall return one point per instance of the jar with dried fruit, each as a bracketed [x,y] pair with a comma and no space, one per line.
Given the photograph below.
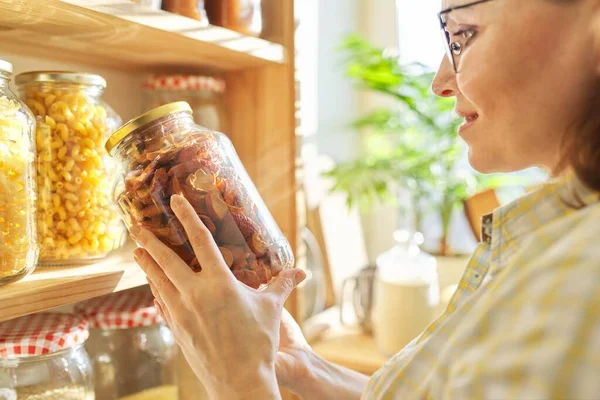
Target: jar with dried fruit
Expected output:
[42,358]
[163,152]
[18,238]
[244,16]
[77,221]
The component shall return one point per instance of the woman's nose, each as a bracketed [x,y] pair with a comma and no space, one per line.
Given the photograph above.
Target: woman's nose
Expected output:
[444,83]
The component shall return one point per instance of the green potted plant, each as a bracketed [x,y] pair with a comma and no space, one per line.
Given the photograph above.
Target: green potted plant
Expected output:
[412,144]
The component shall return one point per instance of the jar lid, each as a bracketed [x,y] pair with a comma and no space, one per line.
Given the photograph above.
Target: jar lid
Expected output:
[122,310]
[5,66]
[185,82]
[81,78]
[40,334]
[146,118]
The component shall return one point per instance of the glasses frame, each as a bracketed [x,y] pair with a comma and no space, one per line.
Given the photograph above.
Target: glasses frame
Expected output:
[447,43]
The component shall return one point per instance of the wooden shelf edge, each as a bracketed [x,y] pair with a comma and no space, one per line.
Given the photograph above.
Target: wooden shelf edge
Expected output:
[50,287]
[126,35]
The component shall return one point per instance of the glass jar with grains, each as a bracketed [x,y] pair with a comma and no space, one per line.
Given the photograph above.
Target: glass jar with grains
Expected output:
[163,152]
[42,358]
[18,237]
[77,222]
[133,352]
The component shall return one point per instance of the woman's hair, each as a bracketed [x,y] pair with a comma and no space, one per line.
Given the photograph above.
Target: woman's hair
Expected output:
[581,145]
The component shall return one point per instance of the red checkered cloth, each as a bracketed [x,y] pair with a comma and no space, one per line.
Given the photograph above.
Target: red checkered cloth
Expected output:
[122,310]
[40,334]
[185,82]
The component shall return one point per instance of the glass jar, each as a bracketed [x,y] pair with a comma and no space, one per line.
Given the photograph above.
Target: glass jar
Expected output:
[406,293]
[77,221]
[188,8]
[133,352]
[163,152]
[42,358]
[19,248]
[203,93]
[244,16]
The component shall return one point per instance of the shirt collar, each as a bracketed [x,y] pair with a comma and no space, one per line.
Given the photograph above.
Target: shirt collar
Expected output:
[553,199]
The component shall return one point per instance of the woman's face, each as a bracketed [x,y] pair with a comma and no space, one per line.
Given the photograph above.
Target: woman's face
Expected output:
[523,78]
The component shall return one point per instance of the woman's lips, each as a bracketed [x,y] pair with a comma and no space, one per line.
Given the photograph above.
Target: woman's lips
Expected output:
[469,121]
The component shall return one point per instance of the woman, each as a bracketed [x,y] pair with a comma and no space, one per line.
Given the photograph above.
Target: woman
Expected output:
[525,321]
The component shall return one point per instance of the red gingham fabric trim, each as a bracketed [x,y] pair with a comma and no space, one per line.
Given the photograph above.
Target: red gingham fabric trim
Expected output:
[122,310]
[185,82]
[40,334]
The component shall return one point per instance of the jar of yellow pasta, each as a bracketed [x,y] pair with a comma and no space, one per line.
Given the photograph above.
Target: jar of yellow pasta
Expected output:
[77,221]
[18,239]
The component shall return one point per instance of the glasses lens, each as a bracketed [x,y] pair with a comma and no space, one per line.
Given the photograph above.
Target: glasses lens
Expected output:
[447,46]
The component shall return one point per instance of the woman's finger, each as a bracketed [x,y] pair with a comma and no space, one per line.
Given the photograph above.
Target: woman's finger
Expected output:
[283,285]
[167,260]
[208,253]
[162,284]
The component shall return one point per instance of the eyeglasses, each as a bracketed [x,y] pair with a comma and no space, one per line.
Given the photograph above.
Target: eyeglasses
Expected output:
[455,49]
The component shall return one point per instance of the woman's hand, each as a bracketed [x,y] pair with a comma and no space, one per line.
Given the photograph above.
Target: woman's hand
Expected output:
[293,357]
[228,332]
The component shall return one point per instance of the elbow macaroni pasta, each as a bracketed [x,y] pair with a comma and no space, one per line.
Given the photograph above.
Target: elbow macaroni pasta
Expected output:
[18,247]
[77,220]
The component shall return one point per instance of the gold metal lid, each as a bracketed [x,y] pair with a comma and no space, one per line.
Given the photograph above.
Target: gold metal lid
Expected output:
[80,78]
[5,66]
[144,119]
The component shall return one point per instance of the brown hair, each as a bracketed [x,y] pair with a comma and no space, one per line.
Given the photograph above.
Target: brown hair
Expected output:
[581,145]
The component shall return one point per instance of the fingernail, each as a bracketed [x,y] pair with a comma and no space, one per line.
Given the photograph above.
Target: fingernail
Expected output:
[299,277]
[137,254]
[176,201]
[134,231]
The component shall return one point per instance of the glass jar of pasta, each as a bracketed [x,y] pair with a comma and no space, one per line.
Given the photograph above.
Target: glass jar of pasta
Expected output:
[77,222]
[18,237]
[163,152]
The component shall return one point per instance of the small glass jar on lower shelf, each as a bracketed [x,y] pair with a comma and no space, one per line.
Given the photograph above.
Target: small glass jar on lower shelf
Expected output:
[132,351]
[18,237]
[42,358]
[77,221]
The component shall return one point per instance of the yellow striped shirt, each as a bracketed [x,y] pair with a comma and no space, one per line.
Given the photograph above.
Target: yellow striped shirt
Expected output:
[525,320]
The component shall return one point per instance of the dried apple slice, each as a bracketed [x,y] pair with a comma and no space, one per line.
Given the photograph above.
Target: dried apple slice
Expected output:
[200,180]
[216,207]
[176,187]
[187,153]
[246,225]
[132,180]
[262,270]
[229,233]
[158,187]
[257,245]
[227,256]
[239,264]
[154,210]
[184,169]
[247,277]
[210,225]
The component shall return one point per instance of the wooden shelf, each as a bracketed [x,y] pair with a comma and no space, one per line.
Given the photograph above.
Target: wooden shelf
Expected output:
[125,35]
[50,287]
